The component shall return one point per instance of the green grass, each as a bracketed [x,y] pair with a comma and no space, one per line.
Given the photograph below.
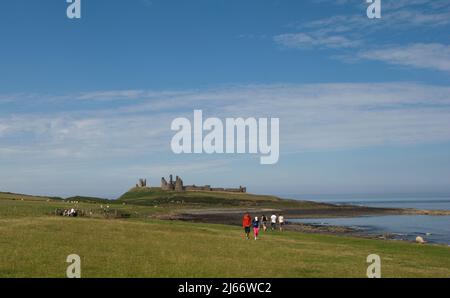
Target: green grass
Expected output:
[19,197]
[90,200]
[38,247]
[12,208]
[33,243]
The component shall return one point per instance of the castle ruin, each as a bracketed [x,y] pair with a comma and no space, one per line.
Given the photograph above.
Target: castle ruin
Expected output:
[178,186]
[141,183]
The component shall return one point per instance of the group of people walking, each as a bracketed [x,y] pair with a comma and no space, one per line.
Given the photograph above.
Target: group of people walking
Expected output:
[262,222]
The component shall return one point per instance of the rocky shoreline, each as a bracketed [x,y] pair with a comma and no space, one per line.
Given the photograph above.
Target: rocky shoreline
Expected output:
[234,216]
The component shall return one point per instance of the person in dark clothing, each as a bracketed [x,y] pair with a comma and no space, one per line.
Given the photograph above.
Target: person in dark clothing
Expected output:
[255,224]
[264,222]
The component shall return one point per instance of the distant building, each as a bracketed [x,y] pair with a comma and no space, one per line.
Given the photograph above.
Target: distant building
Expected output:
[141,183]
[172,185]
[178,185]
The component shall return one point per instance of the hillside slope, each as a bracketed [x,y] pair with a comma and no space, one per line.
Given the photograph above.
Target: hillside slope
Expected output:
[89,200]
[156,196]
[20,197]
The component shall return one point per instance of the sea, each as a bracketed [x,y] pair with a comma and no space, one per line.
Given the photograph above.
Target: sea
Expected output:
[434,229]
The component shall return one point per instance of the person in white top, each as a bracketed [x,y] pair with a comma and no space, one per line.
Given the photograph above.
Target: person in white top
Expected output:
[281,221]
[273,221]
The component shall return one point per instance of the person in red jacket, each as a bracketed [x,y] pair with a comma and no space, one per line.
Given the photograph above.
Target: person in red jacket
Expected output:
[246,224]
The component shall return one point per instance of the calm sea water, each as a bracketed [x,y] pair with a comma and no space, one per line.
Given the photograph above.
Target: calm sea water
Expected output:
[435,229]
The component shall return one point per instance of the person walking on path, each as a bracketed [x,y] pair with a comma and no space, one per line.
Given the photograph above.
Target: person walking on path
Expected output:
[246,224]
[264,222]
[281,222]
[273,222]
[256,227]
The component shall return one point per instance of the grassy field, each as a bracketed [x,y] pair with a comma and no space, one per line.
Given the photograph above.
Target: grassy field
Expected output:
[14,196]
[34,243]
[38,247]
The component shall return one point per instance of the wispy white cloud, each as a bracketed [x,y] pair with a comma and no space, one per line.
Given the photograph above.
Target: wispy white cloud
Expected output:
[431,56]
[105,150]
[313,117]
[358,25]
[354,37]
[126,94]
[391,4]
[197,166]
[303,40]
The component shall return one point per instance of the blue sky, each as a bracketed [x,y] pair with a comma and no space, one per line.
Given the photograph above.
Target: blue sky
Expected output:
[364,105]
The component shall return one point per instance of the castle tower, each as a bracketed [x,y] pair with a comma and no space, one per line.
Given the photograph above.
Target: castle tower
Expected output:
[164,184]
[179,184]
[167,185]
[141,183]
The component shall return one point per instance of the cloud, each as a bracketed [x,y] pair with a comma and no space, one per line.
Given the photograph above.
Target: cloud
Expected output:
[407,18]
[396,15]
[198,166]
[430,56]
[391,4]
[113,95]
[108,147]
[313,117]
[303,40]
[110,95]
[359,25]
[433,4]
[347,32]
